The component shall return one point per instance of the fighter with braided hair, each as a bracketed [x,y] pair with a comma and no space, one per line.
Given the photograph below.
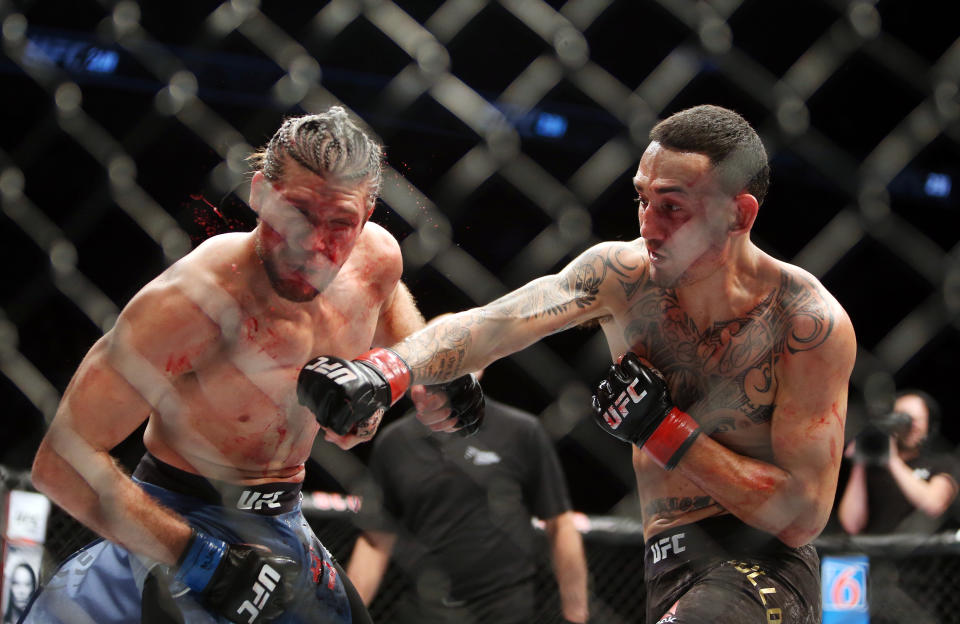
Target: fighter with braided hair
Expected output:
[209,527]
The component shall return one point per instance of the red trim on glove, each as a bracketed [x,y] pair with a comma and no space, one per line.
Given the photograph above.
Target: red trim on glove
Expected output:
[393,368]
[670,440]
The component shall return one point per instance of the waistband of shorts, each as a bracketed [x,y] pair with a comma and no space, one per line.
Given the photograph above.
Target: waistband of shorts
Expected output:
[721,537]
[265,499]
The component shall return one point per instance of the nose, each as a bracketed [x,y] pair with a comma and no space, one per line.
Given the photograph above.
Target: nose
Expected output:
[315,242]
[319,243]
[649,225]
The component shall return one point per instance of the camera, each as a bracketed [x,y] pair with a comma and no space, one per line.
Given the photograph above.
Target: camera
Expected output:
[873,443]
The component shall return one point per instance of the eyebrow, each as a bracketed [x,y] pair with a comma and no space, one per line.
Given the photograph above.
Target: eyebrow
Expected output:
[663,190]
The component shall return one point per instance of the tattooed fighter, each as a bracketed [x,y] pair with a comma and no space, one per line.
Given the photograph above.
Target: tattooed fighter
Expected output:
[738,430]
[209,528]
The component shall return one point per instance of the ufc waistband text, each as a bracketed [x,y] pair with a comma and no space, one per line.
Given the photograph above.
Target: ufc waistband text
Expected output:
[667,546]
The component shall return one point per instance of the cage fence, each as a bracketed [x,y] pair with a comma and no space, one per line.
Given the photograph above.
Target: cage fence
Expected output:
[127,127]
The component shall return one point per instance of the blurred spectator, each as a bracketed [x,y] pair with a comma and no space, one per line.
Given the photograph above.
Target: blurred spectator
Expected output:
[456,516]
[896,473]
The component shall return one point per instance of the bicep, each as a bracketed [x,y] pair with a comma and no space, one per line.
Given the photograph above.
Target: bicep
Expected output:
[100,406]
[811,404]
[130,372]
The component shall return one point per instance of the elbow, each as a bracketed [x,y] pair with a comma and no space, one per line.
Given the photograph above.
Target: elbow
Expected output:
[804,529]
[799,536]
[852,526]
[852,521]
[934,509]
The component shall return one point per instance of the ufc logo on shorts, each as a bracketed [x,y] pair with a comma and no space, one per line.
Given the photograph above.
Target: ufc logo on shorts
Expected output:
[265,584]
[334,371]
[250,499]
[618,411]
[661,548]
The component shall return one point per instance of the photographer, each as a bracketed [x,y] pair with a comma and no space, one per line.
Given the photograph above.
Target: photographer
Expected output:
[894,470]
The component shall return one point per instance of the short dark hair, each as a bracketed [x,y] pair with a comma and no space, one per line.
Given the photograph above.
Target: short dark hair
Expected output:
[723,136]
[328,144]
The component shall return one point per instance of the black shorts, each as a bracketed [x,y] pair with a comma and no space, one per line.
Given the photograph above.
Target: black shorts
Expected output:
[720,570]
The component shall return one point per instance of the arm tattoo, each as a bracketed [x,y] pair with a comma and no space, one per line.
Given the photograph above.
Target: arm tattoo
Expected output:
[675,506]
[443,350]
[437,352]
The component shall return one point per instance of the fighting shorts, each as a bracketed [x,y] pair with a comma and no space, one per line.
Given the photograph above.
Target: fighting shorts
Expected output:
[721,571]
[104,583]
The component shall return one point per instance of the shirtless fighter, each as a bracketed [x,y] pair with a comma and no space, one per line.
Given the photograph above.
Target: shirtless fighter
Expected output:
[738,431]
[209,527]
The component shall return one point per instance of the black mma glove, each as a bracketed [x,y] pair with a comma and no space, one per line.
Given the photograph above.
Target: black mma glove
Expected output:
[466,402]
[341,393]
[244,584]
[633,404]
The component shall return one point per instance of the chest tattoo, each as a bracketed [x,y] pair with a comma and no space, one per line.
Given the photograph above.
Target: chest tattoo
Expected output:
[726,372]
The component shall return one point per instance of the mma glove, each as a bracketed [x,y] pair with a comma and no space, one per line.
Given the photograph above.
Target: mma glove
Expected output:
[633,404]
[244,584]
[342,393]
[466,402]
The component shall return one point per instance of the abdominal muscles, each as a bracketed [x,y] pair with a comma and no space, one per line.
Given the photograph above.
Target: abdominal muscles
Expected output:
[234,428]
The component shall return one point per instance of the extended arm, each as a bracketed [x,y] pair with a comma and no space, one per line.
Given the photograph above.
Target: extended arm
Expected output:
[343,392]
[569,566]
[473,339]
[369,561]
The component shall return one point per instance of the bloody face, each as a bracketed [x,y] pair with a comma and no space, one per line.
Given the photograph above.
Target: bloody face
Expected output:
[309,226]
[684,213]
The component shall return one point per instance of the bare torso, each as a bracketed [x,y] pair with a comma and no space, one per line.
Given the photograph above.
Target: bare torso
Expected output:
[239,419]
[724,372]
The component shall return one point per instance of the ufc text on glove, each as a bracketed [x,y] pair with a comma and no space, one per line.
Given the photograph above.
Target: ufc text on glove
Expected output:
[633,404]
[341,393]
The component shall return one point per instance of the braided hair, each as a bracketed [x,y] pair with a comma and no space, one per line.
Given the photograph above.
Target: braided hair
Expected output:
[329,144]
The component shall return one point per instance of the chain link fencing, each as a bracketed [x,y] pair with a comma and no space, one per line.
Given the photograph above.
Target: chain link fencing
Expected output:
[512,129]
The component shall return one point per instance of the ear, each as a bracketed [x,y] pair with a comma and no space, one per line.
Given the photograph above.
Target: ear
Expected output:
[746,208]
[372,204]
[256,190]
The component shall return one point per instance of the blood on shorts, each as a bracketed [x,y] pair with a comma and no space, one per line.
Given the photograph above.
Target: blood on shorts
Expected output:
[316,566]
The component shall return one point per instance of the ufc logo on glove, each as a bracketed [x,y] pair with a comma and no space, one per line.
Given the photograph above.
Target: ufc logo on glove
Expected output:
[618,411]
[332,370]
[262,588]
[632,389]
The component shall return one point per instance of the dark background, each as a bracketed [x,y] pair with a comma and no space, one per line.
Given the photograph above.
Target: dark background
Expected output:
[852,196]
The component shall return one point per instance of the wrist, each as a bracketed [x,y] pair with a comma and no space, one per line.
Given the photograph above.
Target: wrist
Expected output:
[199,560]
[392,367]
[672,438]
